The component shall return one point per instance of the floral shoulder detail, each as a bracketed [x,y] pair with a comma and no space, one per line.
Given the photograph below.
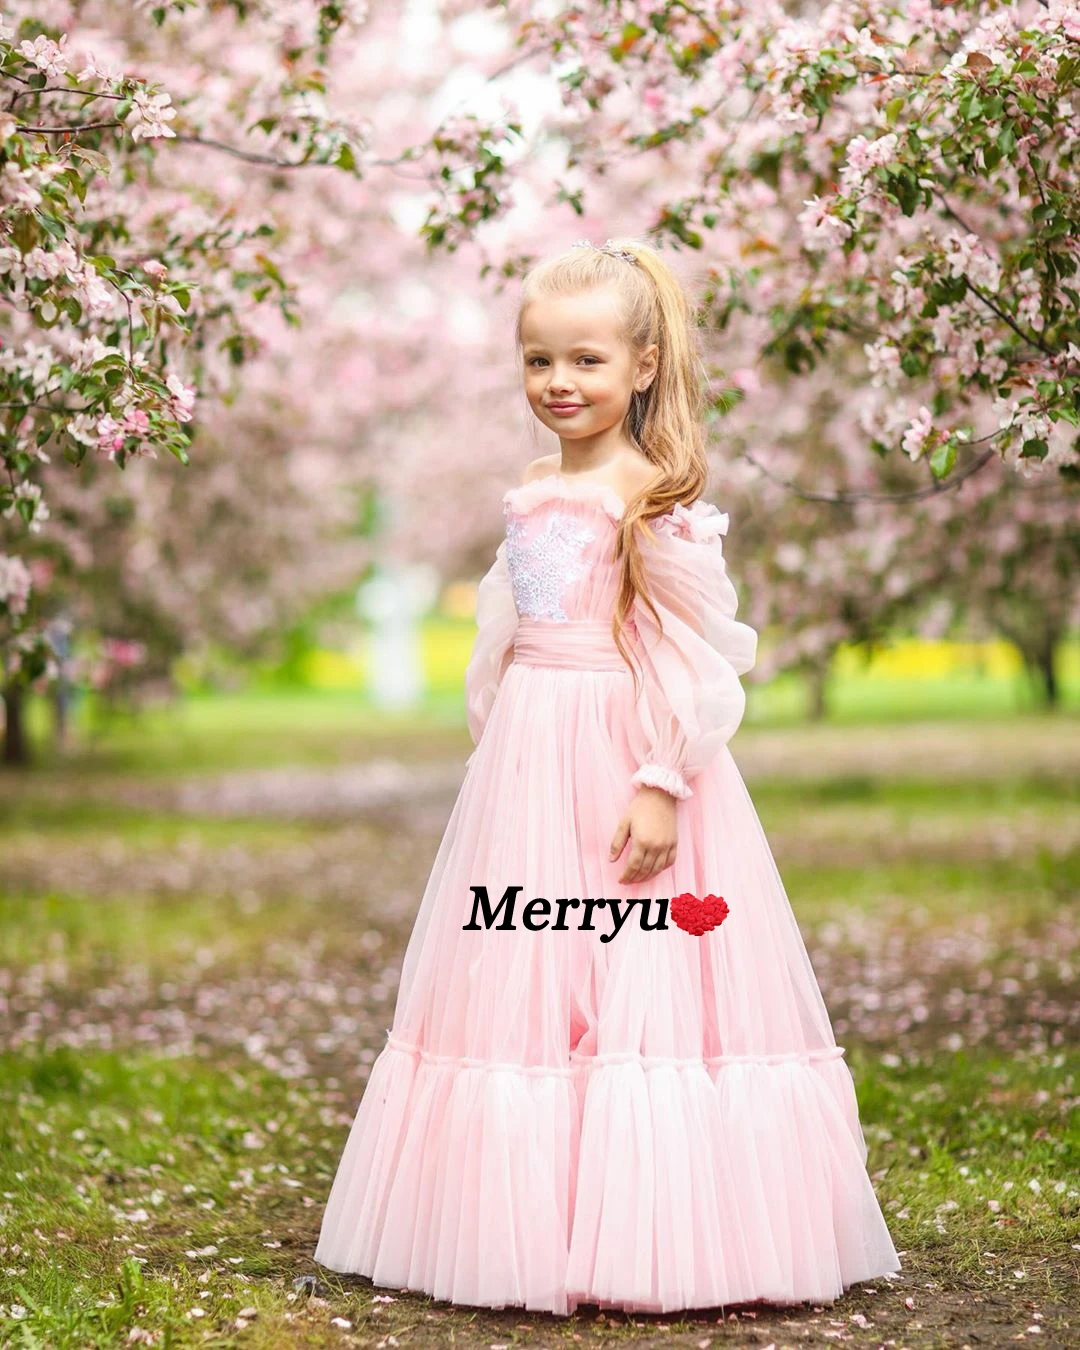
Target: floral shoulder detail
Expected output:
[701,522]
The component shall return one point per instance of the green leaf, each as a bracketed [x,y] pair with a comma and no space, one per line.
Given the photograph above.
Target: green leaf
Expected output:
[92,157]
[911,364]
[271,269]
[943,459]
[52,226]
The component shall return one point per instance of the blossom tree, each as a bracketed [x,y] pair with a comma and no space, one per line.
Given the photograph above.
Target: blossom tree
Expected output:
[836,547]
[901,177]
[143,240]
[880,201]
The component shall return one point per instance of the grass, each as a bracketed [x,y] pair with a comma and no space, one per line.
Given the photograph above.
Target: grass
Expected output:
[264,724]
[190,1003]
[168,1195]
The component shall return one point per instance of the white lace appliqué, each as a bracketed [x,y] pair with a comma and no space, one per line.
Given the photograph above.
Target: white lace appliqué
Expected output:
[541,569]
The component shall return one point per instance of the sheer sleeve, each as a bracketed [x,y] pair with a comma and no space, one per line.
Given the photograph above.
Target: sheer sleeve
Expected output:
[691,701]
[493,647]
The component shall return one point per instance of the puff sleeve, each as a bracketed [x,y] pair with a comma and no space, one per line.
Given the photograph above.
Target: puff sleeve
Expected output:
[691,701]
[493,647]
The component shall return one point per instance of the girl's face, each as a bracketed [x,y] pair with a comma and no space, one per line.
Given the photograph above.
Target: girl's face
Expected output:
[580,372]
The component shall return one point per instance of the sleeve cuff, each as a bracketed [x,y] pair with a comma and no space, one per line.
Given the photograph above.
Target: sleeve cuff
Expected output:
[655,775]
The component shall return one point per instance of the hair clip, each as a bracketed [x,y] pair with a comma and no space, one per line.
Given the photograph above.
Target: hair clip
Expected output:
[607,247]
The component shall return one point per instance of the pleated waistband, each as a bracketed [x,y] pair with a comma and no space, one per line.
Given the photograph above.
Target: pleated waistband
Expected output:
[575,644]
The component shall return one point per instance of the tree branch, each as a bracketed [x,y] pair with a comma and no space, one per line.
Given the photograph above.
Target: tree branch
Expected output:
[916,494]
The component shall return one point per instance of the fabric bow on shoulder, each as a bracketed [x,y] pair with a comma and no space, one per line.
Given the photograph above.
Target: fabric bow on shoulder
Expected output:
[701,521]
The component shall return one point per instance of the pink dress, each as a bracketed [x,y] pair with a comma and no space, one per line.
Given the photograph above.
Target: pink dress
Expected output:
[650,1120]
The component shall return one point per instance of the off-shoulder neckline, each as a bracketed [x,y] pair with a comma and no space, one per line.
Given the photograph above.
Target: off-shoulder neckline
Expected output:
[700,520]
[530,494]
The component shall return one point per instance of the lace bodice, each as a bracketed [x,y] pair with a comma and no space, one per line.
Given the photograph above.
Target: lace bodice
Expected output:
[559,555]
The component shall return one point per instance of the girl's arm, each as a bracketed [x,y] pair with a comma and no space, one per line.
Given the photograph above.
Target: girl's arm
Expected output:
[493,647]
[691,702]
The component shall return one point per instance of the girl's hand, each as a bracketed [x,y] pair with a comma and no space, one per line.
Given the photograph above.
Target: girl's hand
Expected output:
[649,823]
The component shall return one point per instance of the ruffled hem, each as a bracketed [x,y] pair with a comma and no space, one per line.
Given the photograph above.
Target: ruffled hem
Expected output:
[501,1185]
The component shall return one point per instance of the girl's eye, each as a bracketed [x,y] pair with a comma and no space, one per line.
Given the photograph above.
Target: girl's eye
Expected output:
[542,360]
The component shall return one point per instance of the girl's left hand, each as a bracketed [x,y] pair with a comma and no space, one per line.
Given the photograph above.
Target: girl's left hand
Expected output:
[649,823]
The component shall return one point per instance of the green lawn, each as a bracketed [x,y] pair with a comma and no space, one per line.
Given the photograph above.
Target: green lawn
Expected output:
[265,725]
[189,1003]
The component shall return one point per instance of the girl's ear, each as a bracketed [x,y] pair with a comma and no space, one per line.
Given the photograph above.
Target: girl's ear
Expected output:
[646,367]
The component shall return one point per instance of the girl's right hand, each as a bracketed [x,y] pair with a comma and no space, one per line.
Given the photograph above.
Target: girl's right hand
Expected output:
[649,824]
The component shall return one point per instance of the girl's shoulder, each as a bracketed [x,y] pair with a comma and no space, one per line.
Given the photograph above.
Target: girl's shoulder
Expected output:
[542,467]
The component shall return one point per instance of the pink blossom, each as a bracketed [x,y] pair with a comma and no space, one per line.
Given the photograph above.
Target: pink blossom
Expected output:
[136,422]
[123,652]
[110,436]
[820,228]
[747,379]
[47,55]
[968,256]
[149,114]
[183,397]
[15,585]
[914,438]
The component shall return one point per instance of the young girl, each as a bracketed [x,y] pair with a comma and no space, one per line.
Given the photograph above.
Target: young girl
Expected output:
[581,1101]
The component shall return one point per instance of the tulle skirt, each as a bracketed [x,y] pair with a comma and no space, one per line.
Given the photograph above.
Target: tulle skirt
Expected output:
[563,1114]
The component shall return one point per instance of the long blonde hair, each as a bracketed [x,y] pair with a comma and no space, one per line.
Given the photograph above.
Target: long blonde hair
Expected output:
[664,421]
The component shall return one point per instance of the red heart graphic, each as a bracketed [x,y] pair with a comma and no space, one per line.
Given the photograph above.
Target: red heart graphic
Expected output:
[698,916]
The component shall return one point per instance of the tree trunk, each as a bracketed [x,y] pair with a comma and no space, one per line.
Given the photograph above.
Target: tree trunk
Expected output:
[1037,652]
[818,679]
[16,745]
[1043,663]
